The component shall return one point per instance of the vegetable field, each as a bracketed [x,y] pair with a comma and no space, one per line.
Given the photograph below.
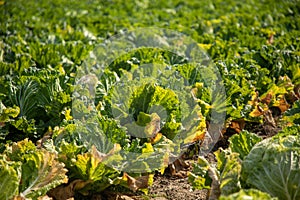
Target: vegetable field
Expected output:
[111,99]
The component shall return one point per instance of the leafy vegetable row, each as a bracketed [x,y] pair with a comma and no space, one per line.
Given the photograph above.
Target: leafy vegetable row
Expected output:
[45,144]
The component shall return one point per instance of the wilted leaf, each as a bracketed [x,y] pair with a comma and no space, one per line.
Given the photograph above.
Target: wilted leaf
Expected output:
[281,103]
[237,125]
[135,184]
[267,99]
[64,192]
[198,132]
[157,138]
[179,168]
[153,127]
[258,111]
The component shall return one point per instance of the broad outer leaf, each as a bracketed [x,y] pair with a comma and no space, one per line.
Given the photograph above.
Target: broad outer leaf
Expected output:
[9,179]
[273,166]
[40,173]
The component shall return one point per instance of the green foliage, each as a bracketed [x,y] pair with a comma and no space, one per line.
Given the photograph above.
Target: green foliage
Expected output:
[270,165]
[277,161]
[240,44]
[7,113]
[248,194]
[23,95]
[11,176]
[243,143]
[92,168]
[199,178]
[44,45]
[147,99]
[226,173]
[29,172]
[293,114]
[230,168]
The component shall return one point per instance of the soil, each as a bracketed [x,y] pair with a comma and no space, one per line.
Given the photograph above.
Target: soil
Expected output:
[172,185]
[165,187]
